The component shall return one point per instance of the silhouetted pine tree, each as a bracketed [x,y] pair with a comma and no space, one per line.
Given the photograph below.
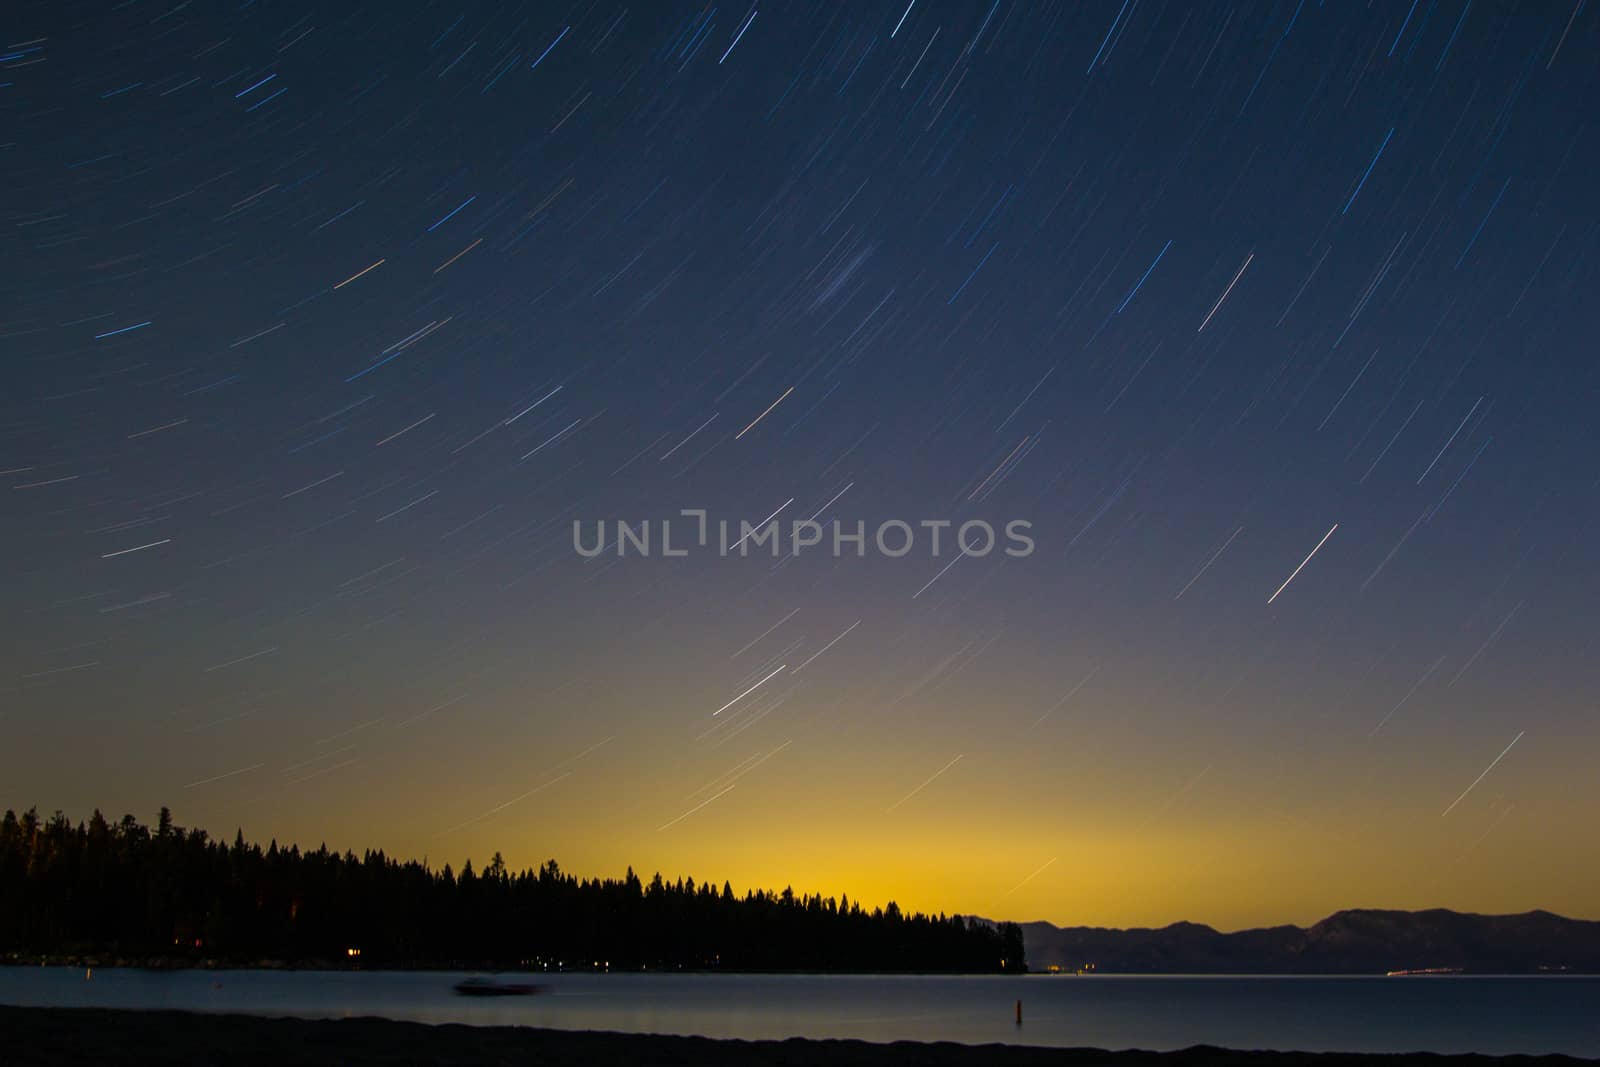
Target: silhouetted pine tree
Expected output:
[103,889]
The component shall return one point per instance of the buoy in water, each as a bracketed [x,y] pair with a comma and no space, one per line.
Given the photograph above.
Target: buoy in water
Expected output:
[1019,1013]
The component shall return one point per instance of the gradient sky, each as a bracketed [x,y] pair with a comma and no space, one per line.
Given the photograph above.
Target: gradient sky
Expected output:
[322,324]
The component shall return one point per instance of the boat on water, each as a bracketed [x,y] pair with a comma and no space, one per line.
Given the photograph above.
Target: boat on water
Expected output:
[493,987]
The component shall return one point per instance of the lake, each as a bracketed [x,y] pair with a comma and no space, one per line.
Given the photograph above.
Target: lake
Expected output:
[1496,1015]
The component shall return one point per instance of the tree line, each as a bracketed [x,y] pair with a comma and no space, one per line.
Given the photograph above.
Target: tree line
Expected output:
[127,891]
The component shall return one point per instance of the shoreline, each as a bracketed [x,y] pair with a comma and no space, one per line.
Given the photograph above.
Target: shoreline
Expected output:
[70,1036]
[159,964]
[181,963]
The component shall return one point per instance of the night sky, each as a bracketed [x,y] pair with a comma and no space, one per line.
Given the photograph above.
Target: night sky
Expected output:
[322,324]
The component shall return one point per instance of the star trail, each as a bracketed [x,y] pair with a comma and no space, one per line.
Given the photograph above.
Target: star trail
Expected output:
[326,328]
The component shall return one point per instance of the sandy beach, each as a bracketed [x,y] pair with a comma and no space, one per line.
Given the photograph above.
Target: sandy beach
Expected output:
[73,1036]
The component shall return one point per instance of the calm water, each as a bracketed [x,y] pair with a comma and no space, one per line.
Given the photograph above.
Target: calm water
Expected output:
[1492,1015]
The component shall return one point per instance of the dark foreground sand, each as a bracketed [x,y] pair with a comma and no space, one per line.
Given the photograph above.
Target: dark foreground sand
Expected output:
[73,1036]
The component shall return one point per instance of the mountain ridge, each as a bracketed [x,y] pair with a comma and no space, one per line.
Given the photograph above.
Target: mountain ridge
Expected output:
[1350,941]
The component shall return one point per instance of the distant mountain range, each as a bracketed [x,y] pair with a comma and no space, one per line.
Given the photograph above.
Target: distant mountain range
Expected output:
[1347,942]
